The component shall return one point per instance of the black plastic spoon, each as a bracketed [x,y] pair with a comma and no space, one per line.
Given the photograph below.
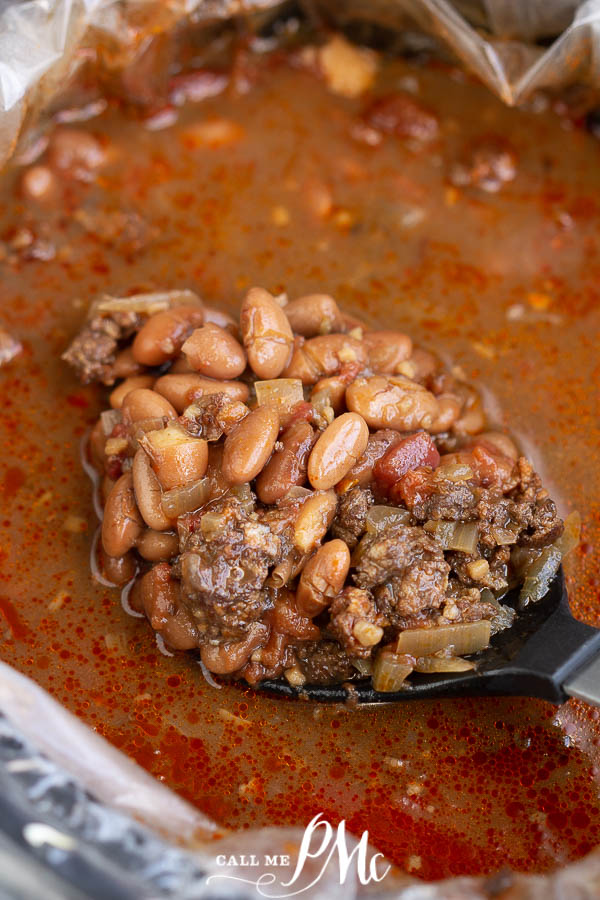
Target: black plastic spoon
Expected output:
[546,653]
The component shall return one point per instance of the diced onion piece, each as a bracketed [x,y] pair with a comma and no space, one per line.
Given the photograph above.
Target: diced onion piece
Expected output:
[110,418]
[432,664]
[454,535]
[146,304]
[505,615]
[504,536]
[142,426]
[212,524]
[379,517]
[180,500]
[453,472]
[243,493]
[364,666]
[390,670]
[282,393]
[296,492]
[539,576]
[462,638]
[570,537]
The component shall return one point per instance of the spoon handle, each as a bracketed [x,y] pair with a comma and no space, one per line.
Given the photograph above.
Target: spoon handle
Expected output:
[585,684]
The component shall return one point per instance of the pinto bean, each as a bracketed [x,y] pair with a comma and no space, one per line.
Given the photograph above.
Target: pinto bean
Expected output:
[160,595]
[177,457]
[449,410]
[337,450]
[125,366]
[142,403]
[266,333]
[287,466]
[157,546]
[213,351]
[130,384]
[387,350]
[500,441]
[330,392]
[392,402]
[181,390]
[122,523]
[148,493]
[249,445]
[223,659]
[180,366]
[313,520]
[314,314]
[323,577]
[287,619]
[119,569]
[163,335]
[472,417]
[325,355]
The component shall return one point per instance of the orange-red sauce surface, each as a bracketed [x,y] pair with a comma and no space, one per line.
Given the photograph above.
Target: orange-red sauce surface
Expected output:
[504,285]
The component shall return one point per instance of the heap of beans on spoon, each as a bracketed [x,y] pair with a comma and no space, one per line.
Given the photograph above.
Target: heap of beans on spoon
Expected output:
[292,494]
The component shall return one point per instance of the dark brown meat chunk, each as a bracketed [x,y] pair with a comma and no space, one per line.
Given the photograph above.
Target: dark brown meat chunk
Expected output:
[453,501]
[213,416]
[349,523]
[92,352]
[324,663]
[487,163]
[356,622]
[224,565]
[405,569]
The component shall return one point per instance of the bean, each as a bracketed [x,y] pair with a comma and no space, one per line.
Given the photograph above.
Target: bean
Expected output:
[287,466]
[125,366]
[472,417]
[323,577]
[163,335]
[214,352]
[313,520]
[143,403]
[180,366]
[449,410]
[362,473]
[222,319]
[337,450]
[266,333]
[423,365]
[286,619]
[148,493]
[161,599]
[177,457]
[314,314]
[499,441]
[181,390]
[130,384]
[325,355]
[157,546]
[392,402]
[248,447]
[387,350]
[332,392]
[119,569]
[223,659]
[122,523]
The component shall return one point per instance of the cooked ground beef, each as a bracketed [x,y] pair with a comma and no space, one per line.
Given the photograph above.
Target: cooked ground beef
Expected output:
[405,569]
[355,622]
[92,352]
[349,523]
[224,569]
[325,662]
